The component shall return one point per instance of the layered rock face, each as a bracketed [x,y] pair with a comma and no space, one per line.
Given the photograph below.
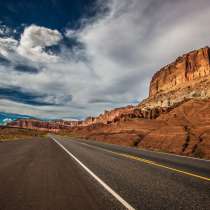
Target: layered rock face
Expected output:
[123,114]
[109,117]
[52,125]
[186,70]
[187,77]
[35,125]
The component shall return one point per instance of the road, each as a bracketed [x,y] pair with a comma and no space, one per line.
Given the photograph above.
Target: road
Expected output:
[57,174]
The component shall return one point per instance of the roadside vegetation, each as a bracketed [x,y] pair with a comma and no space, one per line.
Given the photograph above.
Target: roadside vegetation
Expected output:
[8,133]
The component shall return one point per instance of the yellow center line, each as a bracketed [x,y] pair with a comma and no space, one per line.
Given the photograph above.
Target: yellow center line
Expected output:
[151,163]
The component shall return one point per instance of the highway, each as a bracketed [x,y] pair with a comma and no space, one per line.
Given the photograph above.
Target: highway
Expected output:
[58,174]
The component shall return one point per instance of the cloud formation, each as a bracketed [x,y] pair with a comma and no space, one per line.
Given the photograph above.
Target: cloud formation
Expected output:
[106,63]
[34,40]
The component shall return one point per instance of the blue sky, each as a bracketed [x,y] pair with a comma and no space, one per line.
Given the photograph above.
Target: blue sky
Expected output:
[54,14]
[73,59]
[8,117]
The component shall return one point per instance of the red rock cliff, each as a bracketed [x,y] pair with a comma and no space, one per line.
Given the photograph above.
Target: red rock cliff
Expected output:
[186,70]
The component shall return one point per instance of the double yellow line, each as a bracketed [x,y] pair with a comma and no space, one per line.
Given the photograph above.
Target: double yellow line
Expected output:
[152,163]
[162,166]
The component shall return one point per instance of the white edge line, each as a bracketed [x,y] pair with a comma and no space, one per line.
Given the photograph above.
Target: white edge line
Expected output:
[111,191]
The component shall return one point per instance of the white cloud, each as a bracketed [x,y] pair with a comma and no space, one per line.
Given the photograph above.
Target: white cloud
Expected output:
[7,46]
[33,41]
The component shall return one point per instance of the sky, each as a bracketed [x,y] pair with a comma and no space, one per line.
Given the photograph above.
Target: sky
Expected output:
[71,59]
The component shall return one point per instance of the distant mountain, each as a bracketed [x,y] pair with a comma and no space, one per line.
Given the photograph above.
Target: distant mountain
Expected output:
[8,117]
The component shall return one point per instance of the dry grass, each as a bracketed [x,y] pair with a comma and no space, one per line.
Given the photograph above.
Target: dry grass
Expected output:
[7,133]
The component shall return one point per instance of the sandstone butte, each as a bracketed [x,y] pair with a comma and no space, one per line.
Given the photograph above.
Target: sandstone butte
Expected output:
[174,118]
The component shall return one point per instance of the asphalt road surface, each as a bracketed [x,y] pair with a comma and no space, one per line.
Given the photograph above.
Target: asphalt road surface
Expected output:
[55,174]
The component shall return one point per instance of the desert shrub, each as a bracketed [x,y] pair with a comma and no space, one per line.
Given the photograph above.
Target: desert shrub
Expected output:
[199,153]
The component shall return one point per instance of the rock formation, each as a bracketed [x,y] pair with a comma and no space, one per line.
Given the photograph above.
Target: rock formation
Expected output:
[187,77]
[186,70]
[35,124]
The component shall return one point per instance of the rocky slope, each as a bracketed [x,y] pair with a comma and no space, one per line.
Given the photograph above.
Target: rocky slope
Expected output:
[184,130]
